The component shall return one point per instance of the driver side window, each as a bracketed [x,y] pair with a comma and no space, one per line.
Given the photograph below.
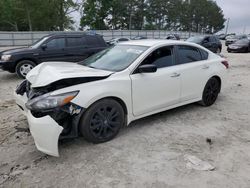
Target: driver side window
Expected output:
[161,57]
[58,43]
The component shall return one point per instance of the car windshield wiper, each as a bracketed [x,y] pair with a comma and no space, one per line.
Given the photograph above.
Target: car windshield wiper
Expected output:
[91,67]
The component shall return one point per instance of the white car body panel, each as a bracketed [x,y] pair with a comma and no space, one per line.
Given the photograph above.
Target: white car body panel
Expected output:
[45,132]
[143,94]
[165,93]
[118,86]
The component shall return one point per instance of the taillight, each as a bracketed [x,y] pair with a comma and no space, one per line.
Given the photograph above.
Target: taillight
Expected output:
[225,63]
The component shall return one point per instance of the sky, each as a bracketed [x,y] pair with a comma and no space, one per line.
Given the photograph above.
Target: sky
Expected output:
[238,11]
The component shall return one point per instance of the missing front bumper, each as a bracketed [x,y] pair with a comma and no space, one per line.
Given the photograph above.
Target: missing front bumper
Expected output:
[47,129]
[45,132]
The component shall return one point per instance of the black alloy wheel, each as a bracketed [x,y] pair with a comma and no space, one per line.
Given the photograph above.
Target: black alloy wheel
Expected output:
[102,121]
[211,92]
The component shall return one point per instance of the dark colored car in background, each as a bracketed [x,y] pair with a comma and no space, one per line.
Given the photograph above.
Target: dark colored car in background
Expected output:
[234,38]
[69,47]
[242,45]
[114,41]
[248,36]
[139,38]
[210,42]
[224,36]
[173,37]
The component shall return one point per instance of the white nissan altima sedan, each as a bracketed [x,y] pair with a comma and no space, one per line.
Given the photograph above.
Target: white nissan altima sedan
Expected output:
[131,80]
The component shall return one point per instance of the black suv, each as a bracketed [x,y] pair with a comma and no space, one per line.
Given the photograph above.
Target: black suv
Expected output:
[210,42]
[70,47]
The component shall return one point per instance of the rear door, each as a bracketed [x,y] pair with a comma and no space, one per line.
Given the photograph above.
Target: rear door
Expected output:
[209,43]
[194,70]
[214,44]
[76,48]
[155,91]
[95,44]
[54,51]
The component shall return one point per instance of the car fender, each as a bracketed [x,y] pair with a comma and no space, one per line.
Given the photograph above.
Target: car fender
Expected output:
[91,92]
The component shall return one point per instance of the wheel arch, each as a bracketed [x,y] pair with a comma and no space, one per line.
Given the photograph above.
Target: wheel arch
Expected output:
[29,59]
[119,100]
[217,78]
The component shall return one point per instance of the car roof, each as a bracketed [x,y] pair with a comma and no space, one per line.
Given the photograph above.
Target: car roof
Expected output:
[154,42]
[64,34]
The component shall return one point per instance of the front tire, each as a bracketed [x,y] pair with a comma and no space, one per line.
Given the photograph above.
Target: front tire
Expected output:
[210,92]
[102,121]
[23,68]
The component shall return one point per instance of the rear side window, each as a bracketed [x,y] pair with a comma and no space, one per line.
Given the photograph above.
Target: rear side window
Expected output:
[188,54]
[58,43]
[75,41]
[162,57]
[204,54]
[93,41]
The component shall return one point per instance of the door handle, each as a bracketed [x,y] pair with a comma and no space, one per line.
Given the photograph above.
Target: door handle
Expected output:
[205,67]
[175,75]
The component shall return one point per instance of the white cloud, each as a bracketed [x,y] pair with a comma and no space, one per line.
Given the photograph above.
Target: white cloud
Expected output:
[239,13]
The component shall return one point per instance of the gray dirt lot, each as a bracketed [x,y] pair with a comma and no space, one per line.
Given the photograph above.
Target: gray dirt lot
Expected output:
[148,153]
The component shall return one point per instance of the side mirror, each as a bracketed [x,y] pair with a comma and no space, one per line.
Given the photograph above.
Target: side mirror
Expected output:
[150,68]
[44,46]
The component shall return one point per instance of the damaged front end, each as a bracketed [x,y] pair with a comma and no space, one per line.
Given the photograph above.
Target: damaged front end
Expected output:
[50,117]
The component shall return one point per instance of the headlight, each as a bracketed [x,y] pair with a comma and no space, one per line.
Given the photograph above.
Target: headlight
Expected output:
[48,101]
[5,57]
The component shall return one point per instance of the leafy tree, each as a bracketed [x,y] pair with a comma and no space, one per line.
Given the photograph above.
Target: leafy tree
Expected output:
[179,15]
[94,14]
[37,15]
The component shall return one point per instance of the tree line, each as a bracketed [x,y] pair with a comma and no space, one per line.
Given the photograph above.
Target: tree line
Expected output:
[49,15]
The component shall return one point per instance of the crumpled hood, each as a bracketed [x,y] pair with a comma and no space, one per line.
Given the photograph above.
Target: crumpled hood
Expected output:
[49,72]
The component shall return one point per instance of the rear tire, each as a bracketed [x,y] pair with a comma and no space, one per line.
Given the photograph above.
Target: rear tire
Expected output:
[102,121]
[23,67]
[210,92]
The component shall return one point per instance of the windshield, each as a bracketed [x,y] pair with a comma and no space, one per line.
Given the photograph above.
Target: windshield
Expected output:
[239,37]
[38,42]
[195,39]
[115,58]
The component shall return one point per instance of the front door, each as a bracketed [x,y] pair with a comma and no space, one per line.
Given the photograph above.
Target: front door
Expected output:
[53,51]
[155,91]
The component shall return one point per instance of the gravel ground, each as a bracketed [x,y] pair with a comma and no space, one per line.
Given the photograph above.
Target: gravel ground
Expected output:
[148,153]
